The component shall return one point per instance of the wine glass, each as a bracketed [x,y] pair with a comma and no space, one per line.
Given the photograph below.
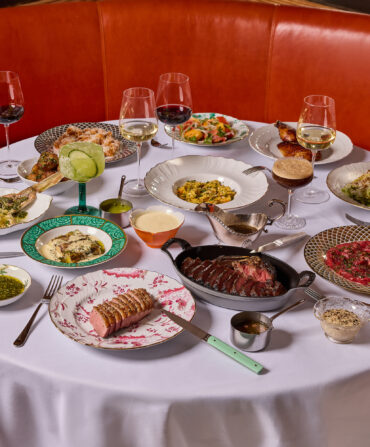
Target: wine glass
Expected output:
[292,173]
[82,161]
[138,123]
[11,111]
[316,131]
[174,105]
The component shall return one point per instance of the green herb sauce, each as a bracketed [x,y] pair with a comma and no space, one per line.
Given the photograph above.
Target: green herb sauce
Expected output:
[9,287]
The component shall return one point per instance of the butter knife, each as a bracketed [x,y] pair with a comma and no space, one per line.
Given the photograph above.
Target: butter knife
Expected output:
[215,342]
[281,242]
[11,254]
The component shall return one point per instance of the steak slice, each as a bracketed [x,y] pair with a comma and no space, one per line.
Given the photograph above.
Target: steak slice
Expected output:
[256,268]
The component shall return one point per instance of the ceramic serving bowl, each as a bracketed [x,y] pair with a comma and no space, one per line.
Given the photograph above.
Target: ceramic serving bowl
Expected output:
[15,272]
[24,169]
[111,235]
[156,239]
[337,326]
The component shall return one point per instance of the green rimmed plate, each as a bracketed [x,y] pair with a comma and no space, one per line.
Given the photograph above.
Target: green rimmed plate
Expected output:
[111,235]
[240,128]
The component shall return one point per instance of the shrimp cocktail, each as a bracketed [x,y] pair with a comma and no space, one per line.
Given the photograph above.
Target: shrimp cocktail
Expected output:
[292,173]
[81,162]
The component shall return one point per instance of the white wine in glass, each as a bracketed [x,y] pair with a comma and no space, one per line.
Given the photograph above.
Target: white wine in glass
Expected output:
[138,123]
[316,131]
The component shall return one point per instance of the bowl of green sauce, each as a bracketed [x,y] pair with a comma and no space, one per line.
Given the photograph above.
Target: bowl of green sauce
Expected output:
[14,283]
[117,210]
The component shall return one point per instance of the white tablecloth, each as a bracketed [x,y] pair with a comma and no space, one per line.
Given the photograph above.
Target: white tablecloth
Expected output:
[55,392]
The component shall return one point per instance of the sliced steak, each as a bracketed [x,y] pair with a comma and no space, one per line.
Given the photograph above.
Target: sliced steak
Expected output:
[254,267]
[202,267]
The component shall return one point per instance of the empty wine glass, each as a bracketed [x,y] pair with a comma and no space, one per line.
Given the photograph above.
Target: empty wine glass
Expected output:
[316,131]
[138,123]
[11,111]
[174,104]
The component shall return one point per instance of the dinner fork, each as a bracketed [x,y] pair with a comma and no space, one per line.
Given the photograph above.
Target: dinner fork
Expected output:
[317,296]
[53,286]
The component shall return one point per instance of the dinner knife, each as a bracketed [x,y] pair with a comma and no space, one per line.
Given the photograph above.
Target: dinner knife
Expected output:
[11,254]
[281,242]
[215,342]
[357,221]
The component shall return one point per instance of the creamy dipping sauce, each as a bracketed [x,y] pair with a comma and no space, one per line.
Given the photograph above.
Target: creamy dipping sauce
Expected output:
[156,222]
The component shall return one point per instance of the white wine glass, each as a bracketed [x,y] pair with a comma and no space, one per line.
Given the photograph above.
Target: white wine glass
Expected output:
[138,123]
[316,131]
[11,111]
[174,103]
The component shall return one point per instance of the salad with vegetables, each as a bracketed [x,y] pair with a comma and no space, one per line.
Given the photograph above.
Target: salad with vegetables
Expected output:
[207,131]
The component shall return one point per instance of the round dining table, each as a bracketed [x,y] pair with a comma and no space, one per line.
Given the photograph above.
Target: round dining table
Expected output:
[184,393]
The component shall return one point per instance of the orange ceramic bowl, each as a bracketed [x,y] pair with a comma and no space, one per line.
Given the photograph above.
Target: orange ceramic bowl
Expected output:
[155,239]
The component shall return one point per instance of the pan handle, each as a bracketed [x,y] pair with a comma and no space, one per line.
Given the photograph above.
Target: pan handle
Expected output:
[271,220]
[310,278]
[184,244]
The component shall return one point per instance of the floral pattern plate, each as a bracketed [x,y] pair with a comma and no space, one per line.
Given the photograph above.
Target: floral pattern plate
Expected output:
[70,307]
[264,140]
[111,235]
[316,248]
[45,141]
[240,128]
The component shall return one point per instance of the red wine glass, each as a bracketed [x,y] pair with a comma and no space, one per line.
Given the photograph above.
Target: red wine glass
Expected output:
[174,104]
[11,111]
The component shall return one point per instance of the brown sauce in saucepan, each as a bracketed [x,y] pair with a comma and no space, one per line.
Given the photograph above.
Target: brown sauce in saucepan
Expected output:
[252,327]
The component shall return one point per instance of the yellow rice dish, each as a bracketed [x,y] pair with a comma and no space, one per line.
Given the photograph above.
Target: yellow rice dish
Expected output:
[208,192]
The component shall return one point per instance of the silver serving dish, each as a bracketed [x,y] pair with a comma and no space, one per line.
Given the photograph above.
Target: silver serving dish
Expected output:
[240,230]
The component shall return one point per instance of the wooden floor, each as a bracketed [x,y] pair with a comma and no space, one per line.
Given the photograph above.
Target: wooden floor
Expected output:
[349,5]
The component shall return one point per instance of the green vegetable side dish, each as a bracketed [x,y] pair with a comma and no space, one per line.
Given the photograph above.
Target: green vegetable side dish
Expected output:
[115,206]
[359,189]
[10,286]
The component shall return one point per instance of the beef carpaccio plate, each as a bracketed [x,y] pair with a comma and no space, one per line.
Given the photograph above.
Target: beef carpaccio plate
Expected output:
[351,260]
[259,283]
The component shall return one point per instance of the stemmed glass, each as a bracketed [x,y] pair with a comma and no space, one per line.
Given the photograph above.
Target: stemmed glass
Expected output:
[316,131]
[292,173]
[174,104]
[11,111]
[138,123]
[82,161]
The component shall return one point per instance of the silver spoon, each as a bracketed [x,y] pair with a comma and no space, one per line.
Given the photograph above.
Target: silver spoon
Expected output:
[156,143]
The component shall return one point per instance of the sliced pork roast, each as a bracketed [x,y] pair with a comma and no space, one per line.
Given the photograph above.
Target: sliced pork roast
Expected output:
[120,312]
[250,276]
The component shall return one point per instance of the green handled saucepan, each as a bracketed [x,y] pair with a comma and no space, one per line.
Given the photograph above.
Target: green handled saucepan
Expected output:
[215,342]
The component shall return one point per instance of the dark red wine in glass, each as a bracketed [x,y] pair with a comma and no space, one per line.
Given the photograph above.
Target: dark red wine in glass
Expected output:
[173,114]
[11,111]
[173,99]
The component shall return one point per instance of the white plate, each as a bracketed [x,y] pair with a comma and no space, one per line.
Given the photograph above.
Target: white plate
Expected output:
[24,169]
[70,307]
[240,128]
[16,272]
[339,177]
[163,180]
[264,140]
[35,211]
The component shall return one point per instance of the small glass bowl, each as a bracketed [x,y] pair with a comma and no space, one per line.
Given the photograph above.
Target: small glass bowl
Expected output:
[338,333]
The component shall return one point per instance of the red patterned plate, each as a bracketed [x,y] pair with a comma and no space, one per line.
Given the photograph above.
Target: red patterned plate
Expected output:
[70,307]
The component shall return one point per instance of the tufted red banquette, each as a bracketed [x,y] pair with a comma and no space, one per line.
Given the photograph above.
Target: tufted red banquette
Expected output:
[249,60]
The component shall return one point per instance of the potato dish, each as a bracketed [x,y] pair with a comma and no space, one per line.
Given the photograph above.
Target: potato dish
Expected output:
[207,131]
[205,192]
